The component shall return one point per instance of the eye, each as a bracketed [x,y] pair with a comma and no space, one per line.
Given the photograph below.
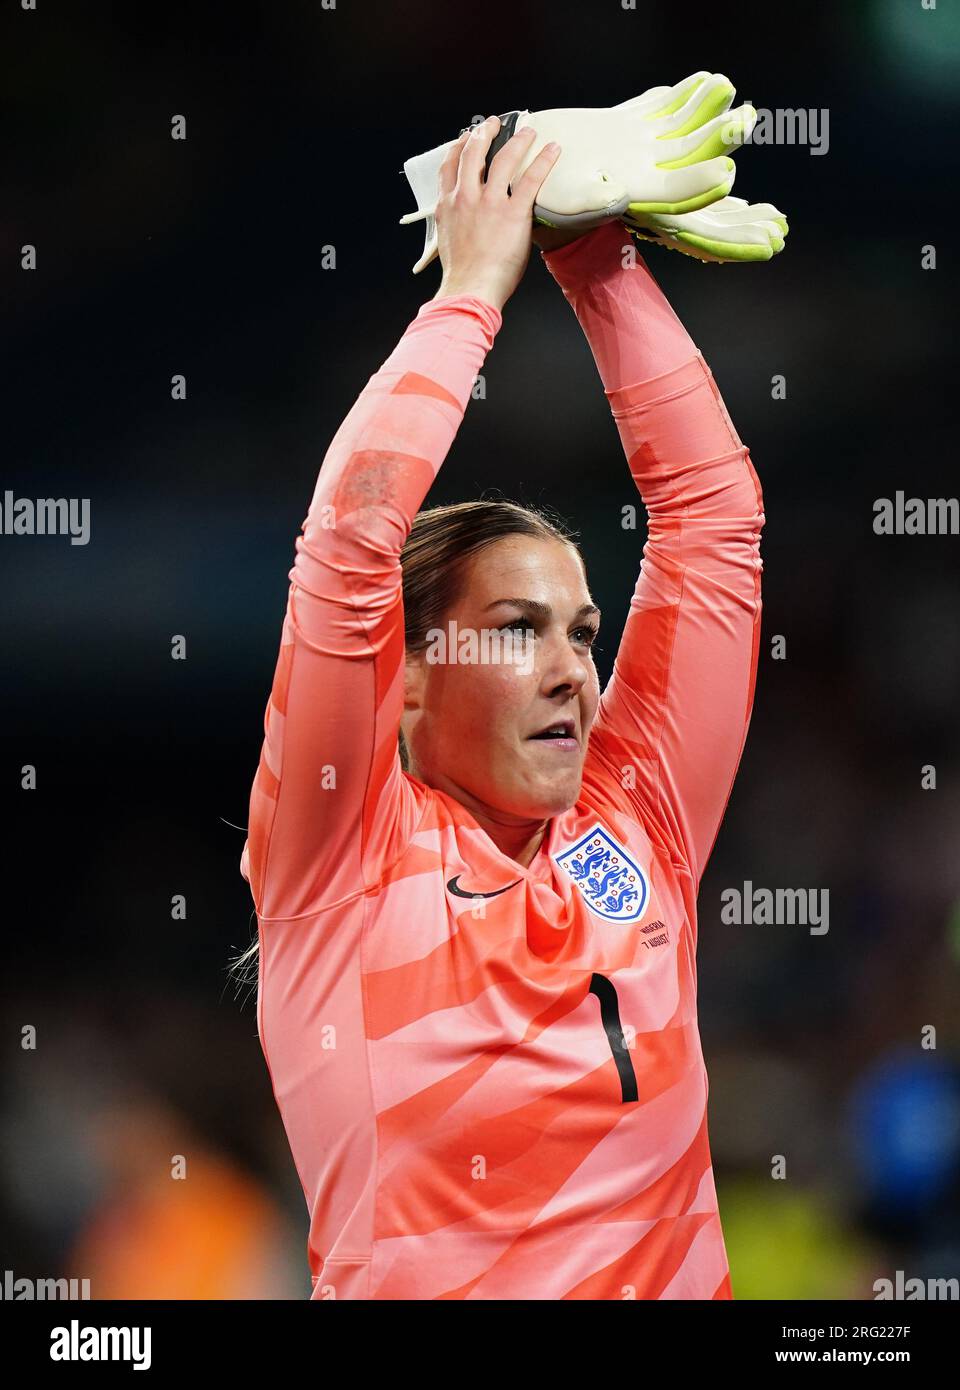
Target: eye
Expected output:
[585,635]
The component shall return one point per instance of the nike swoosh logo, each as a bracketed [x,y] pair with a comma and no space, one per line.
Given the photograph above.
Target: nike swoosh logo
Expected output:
[453,885]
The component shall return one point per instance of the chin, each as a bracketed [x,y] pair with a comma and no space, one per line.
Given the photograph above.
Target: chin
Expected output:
[565,802]
[553,801]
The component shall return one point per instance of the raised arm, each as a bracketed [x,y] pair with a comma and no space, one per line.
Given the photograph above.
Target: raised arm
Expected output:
[675,713]
[330,808]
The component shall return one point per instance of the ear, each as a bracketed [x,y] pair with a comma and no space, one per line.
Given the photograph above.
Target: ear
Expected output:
[414,683]
[414,694]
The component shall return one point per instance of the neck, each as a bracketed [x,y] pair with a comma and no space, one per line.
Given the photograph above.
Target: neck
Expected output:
[519,838]
[518,842]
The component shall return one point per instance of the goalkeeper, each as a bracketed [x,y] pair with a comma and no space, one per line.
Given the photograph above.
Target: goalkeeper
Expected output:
[476,883]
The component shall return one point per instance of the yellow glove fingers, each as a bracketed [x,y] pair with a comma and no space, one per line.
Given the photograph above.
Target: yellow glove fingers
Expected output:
[691,187]
[664,100]
[722,135]
[706,100]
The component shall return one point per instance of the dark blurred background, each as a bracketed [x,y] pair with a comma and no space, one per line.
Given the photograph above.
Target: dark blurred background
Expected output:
[203,257]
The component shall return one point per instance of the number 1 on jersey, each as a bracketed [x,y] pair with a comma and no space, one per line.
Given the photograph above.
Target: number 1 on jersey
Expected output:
[610,1018]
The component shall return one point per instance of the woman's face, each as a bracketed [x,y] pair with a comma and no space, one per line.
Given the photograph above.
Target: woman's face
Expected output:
[469,723]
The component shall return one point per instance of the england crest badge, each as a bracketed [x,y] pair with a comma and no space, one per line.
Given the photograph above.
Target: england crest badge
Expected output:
[611,883]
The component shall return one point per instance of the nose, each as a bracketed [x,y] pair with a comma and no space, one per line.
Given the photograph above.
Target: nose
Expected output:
[563,671]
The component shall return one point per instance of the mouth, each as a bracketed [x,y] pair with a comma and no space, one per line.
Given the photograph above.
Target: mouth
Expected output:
[562,734]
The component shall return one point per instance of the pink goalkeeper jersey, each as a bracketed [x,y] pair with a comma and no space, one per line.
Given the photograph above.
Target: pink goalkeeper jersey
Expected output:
[504,1097]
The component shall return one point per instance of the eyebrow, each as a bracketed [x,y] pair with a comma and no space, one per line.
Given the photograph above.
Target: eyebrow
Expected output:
[543,611]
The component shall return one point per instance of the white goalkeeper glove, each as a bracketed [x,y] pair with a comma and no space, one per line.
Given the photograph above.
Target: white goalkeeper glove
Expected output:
[667,151]
[730,229]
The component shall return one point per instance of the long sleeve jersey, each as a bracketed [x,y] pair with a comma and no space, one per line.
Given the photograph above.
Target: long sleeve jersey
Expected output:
[491,1075]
